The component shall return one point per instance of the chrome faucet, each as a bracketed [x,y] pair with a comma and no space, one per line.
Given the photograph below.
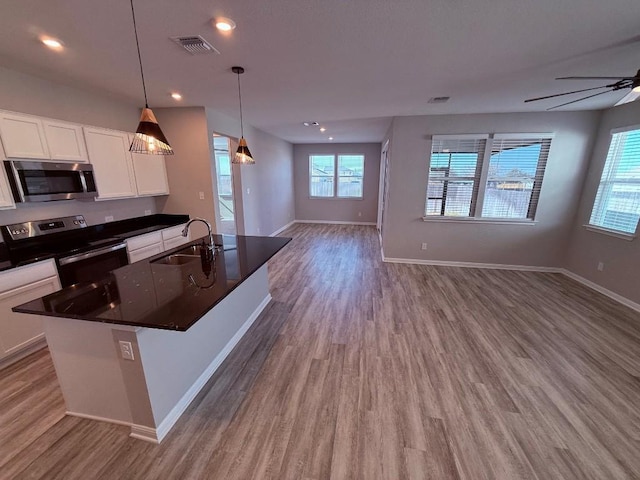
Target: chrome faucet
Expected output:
[185,230]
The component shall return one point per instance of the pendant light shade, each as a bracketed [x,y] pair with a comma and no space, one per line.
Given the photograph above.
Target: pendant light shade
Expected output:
[149,138]
[243,155]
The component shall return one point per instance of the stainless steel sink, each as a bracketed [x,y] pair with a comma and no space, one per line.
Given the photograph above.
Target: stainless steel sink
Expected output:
[178,259]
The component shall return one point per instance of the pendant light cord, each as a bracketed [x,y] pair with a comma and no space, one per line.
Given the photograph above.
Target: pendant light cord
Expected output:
[135,30]
[240,99]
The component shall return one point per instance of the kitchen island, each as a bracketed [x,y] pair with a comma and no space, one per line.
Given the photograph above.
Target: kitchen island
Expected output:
[136,347]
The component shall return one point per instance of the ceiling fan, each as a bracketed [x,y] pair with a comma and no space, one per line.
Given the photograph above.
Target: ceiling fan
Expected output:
[621,83]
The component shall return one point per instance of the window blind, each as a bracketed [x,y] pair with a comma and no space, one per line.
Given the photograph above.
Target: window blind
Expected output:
[617,203]
[454,174]
[515,174]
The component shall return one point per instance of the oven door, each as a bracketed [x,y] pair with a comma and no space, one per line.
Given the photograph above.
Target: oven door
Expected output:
[47,181]
[93,265]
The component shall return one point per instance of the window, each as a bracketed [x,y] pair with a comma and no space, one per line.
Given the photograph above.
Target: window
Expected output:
[617,204]
[343,181]
[482,176]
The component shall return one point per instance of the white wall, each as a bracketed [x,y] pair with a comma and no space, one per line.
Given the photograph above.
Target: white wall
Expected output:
[542,244]
[621,258]
[337,209]
[267,187]
[28,94]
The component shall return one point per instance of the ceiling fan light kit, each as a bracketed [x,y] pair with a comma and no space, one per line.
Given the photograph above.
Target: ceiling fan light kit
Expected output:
[622,83]
[148,138]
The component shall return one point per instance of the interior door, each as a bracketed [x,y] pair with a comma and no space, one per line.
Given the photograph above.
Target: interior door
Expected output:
[383,186]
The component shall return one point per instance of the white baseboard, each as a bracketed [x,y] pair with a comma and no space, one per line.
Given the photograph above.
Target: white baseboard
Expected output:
[282,229]
[27,349]
[147,434]
[598,288]
[493,266]
[98,418]
[157,434]
[335,222]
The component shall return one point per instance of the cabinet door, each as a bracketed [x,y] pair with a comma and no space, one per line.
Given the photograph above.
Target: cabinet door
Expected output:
[111,160]
[151,174]
[6,199]
[19,330]
[65,141]
[23,136]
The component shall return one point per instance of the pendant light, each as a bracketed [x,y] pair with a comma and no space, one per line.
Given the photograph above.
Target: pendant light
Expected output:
[243,155]
[149,138]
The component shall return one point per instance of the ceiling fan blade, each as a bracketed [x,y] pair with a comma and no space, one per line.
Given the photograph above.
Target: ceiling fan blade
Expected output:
[596,78]
[580,99]
[565,93]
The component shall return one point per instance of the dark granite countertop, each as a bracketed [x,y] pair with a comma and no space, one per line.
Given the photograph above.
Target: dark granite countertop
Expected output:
[122,229]
[166,291]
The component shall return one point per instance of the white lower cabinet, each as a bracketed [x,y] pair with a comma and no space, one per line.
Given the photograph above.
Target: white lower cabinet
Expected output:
[20,333]
[144,246]
[172,237]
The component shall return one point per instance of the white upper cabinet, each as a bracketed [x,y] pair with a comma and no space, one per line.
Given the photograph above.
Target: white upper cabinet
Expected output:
[112,164]
[151,174]
[6,199]
[23,136]
[65,141]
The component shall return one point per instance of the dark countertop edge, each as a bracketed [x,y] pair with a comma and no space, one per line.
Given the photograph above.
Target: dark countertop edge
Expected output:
[167,220]
[149,325]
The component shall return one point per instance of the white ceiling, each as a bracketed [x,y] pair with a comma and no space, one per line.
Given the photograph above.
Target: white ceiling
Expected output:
[349,64]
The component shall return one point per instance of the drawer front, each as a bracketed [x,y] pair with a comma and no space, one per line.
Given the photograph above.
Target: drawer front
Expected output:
[142,241]
[145,252]
[172,232]
[18,277]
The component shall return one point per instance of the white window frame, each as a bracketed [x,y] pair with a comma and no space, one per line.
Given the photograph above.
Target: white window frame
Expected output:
[478,202]
[599,228]
[336,176]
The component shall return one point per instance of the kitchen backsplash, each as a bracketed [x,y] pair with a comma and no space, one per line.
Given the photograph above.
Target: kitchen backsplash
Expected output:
[94,212]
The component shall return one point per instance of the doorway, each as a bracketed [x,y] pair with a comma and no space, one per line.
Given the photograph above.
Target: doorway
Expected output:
[226,221]
[383,187]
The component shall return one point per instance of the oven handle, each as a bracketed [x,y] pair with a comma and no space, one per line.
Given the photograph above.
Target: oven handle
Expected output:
[94,253]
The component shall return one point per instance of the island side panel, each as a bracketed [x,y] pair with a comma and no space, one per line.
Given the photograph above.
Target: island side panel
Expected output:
[178,364]
[87,365]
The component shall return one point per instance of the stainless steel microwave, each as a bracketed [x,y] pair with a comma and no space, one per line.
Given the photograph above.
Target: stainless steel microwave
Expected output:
[47,181]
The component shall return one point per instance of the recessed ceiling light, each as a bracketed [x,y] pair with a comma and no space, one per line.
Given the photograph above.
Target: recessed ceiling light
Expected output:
[52,43]
[310,124]
[330,138]
[322,129]
[224,24]
[176,96]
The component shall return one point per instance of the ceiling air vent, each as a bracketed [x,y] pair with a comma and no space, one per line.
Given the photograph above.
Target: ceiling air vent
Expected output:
[195,44]
[438,99]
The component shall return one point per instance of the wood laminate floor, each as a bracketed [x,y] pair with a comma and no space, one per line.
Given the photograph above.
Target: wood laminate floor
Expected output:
[365,370]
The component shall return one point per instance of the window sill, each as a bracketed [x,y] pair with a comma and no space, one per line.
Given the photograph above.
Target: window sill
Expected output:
[612,233]
[489,221]
[336,198]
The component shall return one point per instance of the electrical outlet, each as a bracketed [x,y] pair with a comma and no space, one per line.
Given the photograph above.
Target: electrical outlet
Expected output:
[359,214]
[201,195]
[108,218]
[126,349]
[147,212]
[423,246]
[600,266]
[248,191]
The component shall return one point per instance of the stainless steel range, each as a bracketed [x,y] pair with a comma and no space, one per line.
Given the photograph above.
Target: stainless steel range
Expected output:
[80,255]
